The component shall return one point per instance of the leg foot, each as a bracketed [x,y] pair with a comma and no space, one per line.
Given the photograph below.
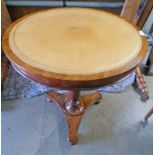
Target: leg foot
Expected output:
[91,99]
[73,107]
[144,97]
[73,123]
[96,103]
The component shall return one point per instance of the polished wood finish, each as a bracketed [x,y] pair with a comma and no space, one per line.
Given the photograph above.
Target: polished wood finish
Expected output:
[86,35]
[149,113]
[129,10]
[129,13]
[136,11]
[145,13]
[73,107]
[70,81]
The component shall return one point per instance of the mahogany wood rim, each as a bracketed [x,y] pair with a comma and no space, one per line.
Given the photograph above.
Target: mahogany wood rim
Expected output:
[54,79]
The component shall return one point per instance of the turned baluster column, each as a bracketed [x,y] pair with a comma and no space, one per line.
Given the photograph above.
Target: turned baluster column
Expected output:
[73,105]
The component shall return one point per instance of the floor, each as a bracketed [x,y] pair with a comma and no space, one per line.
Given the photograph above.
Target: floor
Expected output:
[114,127]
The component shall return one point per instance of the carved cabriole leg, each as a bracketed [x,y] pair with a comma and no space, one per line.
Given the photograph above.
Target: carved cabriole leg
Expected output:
[141,84]
[73,107]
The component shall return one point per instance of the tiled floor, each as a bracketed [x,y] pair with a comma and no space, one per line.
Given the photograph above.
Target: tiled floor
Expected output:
[114,127]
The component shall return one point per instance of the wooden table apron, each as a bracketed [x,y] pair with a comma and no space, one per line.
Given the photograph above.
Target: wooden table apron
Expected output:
[72,104]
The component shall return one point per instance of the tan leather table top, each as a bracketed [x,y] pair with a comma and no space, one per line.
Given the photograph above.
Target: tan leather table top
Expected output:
[75,41]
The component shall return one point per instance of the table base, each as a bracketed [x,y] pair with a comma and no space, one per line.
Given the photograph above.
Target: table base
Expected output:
[73,106]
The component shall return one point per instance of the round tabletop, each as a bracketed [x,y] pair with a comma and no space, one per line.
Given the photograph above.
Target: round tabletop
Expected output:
[73,43]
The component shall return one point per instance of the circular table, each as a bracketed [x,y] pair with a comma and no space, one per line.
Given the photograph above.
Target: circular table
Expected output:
[73,49]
